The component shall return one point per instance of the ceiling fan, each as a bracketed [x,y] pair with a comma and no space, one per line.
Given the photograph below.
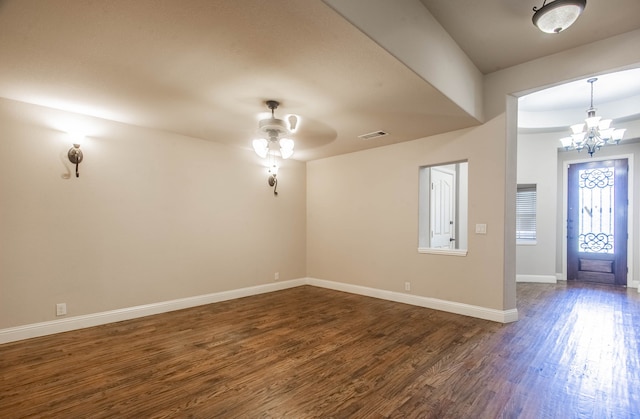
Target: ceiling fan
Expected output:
[274,140]
[274,134]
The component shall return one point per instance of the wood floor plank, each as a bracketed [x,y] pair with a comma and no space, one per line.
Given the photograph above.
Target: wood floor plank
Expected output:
[314,353]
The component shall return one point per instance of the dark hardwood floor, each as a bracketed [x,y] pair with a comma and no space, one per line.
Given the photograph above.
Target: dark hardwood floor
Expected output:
[308,352]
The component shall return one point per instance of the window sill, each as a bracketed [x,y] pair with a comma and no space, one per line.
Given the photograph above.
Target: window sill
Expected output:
[520,242]
[447,252]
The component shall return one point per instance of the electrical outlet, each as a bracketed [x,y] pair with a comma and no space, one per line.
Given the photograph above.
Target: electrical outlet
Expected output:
[407,286]
[276,276]
[61,309]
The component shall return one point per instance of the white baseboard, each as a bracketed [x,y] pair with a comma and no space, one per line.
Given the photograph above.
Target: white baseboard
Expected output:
[542,279]
[501,316]
[96,319]
[80,322]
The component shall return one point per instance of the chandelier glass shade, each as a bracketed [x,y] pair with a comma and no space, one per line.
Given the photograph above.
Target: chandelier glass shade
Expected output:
[592,134]
[558,15]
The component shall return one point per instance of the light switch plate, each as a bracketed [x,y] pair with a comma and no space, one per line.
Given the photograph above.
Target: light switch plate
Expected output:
[481,229]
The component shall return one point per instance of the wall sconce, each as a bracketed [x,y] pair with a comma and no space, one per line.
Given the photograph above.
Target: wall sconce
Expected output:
[273,180]
[75,154]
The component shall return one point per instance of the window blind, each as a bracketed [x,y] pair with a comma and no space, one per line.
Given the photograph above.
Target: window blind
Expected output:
[526,212]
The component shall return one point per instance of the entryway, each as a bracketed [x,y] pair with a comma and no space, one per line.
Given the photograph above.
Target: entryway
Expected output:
[597,214]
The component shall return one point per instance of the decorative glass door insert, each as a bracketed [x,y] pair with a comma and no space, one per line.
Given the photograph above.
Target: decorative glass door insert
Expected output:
[596,195]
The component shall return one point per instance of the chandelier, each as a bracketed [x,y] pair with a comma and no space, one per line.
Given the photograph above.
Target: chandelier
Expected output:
[598,131]
[557,16]
[274,141]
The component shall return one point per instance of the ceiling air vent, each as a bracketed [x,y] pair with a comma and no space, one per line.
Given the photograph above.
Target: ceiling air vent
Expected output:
[372,135]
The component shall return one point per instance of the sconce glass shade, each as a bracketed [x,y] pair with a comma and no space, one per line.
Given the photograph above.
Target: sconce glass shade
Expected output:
[557,16]
[77,139]
[261,147]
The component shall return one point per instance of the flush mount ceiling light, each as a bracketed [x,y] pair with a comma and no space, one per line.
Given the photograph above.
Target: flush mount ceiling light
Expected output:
[274,141]
[597,134]
[557,16]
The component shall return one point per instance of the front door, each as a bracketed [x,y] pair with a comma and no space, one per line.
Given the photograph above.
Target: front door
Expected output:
[597,222]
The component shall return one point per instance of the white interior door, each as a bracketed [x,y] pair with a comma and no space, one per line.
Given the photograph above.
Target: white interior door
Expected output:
[443,183]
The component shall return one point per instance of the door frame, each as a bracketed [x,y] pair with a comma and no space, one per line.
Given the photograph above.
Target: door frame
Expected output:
[631,281]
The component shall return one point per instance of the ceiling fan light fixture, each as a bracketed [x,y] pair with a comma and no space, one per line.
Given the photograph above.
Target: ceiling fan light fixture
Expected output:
[275,125]
[261,147]
[285,153]
[286,147]
[557,16]
[275,131]
[274,140]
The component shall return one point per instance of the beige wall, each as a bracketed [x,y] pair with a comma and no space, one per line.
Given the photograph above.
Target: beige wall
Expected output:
[363,218]
[153,217]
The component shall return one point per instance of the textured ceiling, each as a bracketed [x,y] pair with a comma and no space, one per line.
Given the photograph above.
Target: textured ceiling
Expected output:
[203,68]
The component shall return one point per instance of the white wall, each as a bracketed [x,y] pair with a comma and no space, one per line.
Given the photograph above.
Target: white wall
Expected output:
[153,217]
[537,164]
